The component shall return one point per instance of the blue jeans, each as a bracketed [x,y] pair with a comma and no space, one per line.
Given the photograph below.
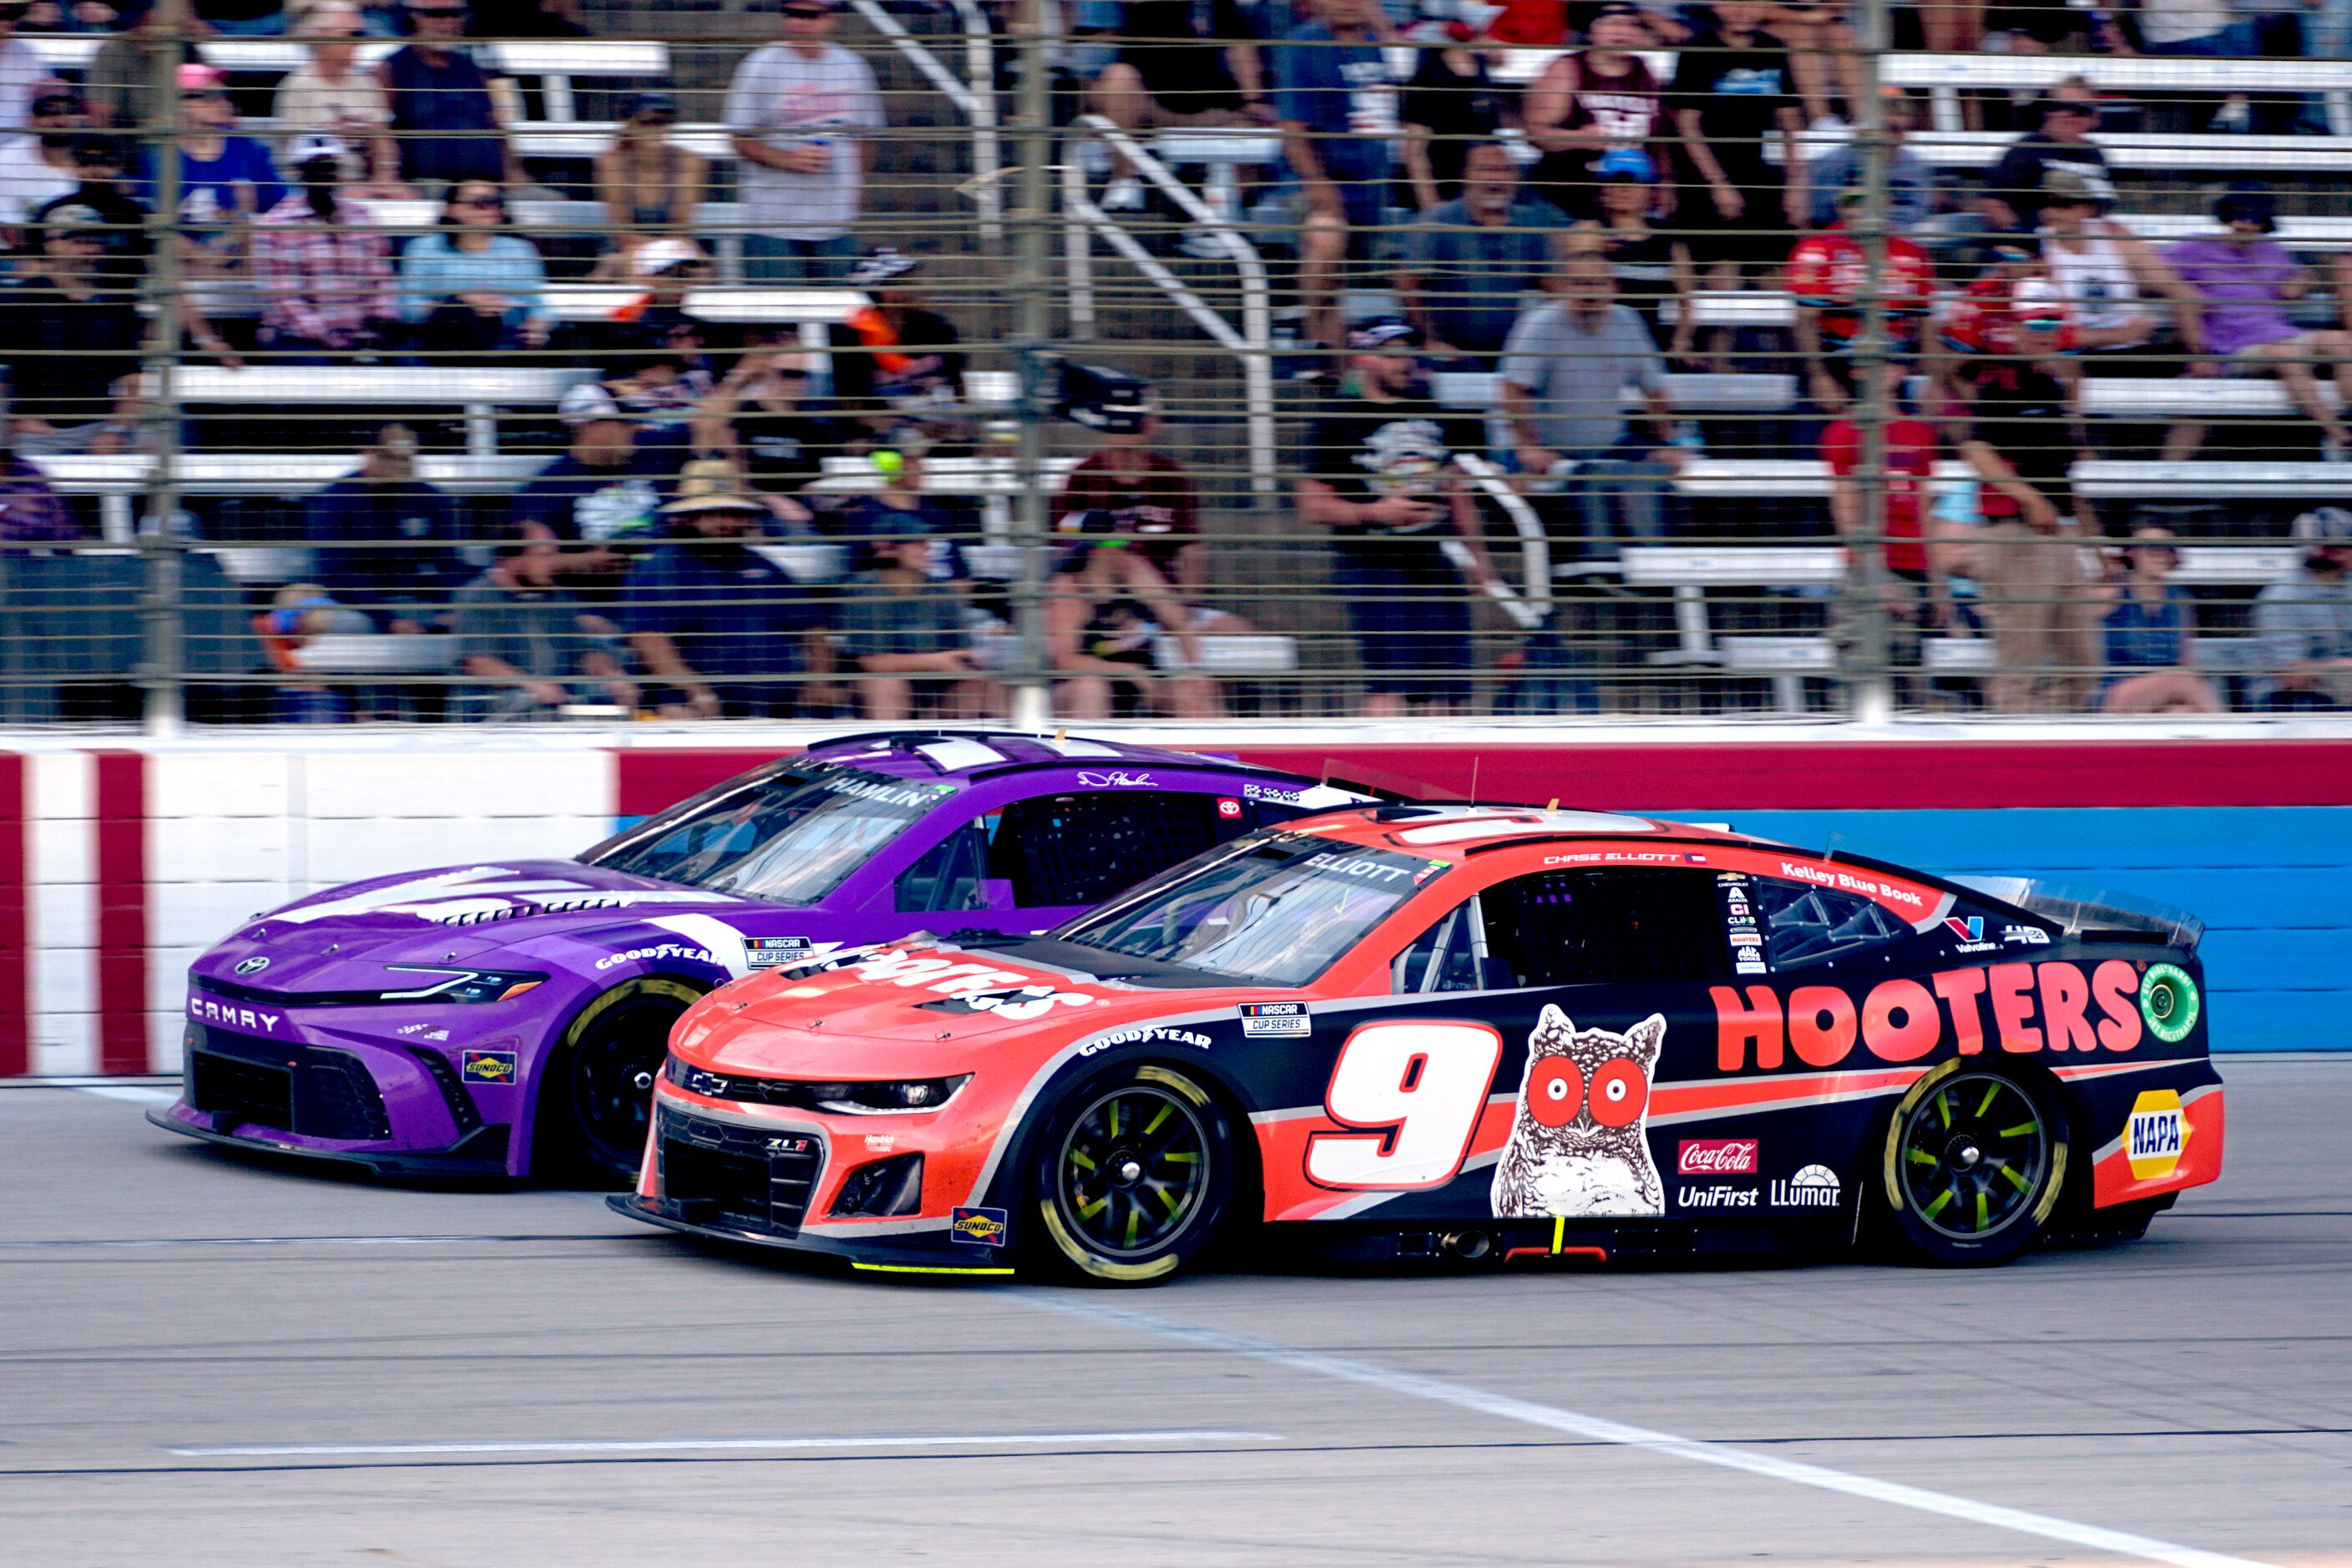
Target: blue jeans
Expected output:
[773,259]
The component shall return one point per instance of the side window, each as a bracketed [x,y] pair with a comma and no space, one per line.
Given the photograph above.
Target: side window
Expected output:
[1444,959]
[1617,925]
[1065,849]
[948,876]
[1804,926]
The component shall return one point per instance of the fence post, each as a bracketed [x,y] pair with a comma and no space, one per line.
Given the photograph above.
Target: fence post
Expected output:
[1871,680]
[1032,680]
[162,664]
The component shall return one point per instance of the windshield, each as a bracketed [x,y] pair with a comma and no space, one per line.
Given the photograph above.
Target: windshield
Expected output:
[789,838]
[1274,907]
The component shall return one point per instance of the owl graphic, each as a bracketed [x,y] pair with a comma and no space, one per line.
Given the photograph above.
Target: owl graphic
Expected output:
[1577,1144]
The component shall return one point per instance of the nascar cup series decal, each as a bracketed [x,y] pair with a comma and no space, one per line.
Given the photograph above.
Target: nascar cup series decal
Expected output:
[1576,1144]
[2154,1135]
[1261,1019]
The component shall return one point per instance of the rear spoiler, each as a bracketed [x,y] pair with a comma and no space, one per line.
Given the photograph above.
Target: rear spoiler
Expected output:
[2095,912]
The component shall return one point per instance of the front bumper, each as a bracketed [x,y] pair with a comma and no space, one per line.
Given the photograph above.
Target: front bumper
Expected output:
[482,1152]
[323,1090]
[765,1181]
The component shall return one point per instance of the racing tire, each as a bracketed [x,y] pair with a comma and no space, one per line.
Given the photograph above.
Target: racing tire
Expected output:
[1975,1164]
[1134,1174]
[596,1098]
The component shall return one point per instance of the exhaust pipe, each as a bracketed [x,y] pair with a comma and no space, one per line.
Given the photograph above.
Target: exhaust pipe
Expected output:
[1467,1245]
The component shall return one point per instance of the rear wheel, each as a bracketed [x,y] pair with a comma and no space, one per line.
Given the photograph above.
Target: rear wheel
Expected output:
[1134,1175]
[1976,1160]
[597,1099]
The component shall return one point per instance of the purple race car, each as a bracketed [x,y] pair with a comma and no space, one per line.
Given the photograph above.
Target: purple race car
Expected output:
[510,1018]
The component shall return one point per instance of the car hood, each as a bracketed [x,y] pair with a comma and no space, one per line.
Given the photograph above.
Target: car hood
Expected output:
[917,1011]
[460,914]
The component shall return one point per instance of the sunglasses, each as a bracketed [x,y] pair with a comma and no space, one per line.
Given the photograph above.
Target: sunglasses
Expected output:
[790,374]
[808,12]
[479,202]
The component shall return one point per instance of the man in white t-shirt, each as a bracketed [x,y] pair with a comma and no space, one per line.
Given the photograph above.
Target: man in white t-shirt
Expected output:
[20,69]
[37,164]
[800,114]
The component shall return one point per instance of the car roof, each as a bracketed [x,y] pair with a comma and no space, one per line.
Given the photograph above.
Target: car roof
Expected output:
[1434,829]
[964,755]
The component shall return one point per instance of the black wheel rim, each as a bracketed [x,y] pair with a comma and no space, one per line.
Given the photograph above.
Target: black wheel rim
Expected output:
[1974,1157]
[1133,1171]
[613,1075]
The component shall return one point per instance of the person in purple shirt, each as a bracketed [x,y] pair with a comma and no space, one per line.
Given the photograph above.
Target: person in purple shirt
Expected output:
[2246,280]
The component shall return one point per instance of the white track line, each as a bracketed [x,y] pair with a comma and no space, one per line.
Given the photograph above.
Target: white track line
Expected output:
[1597,1429]
[130,1091]
[718,1445]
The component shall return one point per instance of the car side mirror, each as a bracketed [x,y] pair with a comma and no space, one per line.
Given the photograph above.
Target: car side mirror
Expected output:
[996,893]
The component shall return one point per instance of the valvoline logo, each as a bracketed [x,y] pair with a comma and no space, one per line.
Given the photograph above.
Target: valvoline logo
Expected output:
[978,1227]
[1970,928]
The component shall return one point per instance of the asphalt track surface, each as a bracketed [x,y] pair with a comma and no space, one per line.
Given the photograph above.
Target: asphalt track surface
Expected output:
[209,1359]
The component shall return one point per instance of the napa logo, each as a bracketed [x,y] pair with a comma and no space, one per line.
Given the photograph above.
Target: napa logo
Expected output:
[2154,1135]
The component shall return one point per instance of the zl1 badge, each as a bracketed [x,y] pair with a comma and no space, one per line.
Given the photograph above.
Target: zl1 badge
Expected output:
[978,1227]
[488,1066]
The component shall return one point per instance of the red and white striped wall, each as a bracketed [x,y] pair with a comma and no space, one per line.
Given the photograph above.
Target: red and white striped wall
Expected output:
[121,862]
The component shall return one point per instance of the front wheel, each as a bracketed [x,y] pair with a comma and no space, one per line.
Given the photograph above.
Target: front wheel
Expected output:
[1975,1163]
[596,1100]
[1133,1176]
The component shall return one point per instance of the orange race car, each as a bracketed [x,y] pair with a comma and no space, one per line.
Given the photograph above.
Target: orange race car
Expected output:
[1452,1032]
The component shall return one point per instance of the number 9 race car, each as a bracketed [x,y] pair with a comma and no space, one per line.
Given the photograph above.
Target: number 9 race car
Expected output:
[511,1018]
[1457,1032]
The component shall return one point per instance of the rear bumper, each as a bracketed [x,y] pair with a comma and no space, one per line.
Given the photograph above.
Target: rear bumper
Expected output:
[482,1152]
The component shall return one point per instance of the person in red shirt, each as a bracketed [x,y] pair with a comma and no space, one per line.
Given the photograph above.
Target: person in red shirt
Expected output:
[1828,275]
[1151,498]
[1909,593]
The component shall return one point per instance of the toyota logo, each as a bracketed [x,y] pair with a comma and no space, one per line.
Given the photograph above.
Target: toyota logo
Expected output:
[253,966]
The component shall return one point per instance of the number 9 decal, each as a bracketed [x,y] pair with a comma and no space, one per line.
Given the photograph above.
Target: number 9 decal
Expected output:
[1411,1094]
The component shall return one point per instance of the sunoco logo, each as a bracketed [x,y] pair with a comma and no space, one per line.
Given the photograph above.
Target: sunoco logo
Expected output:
[1814,1187]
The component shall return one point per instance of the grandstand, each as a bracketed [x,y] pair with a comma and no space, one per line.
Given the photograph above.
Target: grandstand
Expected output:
[1312,357]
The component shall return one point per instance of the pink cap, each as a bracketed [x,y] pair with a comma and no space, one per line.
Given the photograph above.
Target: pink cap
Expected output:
[197,77]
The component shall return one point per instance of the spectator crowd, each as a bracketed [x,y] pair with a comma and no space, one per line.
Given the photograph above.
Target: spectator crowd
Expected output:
[1499,282]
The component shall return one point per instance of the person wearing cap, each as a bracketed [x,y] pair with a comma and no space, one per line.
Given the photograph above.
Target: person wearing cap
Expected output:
[801,114]
[529,641]
[1910,179]
[384,541]
[1336,100]
[2020,439]
[2149,633]
[1470,262]
[605,490]
[2303,620]
[72,340]
[445,116]
[1150,499]
[323,267]
[1828,274]
[1382,479]
[896,349]
[902,630]
[2107,276]
[330,95]
[728,630]
[468,289]
[2012,198]
[1735,94]
[649,187]
[1651,264]
[38,165]
[2245,279]
[225,180]
[1593,100]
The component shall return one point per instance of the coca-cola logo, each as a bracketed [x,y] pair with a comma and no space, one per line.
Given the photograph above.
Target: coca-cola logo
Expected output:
[1717,1157]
